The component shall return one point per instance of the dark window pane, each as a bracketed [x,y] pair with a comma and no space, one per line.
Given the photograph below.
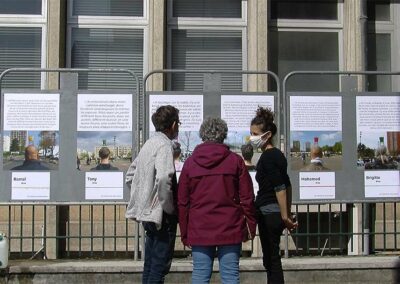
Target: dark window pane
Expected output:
[127,8]
[379,59]
[378,10]
[107,48]
[309,51]
[20,47]
[306,10]
[208,8]
[26,7]
[206,50]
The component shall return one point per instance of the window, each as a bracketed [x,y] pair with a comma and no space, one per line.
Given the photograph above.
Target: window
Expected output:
[378,10]
[300,9]
[206,50]
[379,59]
[25,7]
[207,8]
[305,36]
[20,47]
[107,48]
[197,42]
[305,51]
[22,41]
[107,34]
[114,8]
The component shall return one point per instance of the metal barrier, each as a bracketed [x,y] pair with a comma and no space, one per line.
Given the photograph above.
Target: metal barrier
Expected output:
[55,221]
[101,231]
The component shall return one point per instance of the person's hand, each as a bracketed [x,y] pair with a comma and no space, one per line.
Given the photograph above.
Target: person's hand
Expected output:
[290,224]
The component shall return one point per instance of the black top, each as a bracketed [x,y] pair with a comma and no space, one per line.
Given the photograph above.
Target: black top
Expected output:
[271,176]
[104,167]
[30,165]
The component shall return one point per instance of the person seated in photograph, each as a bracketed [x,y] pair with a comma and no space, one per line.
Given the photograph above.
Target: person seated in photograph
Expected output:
[32,161]
[104,165]
[247,154]
[381,161]
[316,160]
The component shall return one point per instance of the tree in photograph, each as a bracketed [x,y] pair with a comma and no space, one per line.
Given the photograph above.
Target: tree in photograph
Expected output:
[14,145]
[186,140]
[47,141]
[337,148]
[361,150]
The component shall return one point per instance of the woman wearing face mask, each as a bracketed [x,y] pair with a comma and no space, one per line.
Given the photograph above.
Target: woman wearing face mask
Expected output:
[273,198]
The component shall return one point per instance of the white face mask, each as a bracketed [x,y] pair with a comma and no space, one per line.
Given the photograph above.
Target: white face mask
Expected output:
[257,141]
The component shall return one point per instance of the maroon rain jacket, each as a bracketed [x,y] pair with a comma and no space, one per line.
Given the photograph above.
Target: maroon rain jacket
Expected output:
[215,198]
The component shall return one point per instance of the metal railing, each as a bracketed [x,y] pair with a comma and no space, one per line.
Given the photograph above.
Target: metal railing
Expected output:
[101,231]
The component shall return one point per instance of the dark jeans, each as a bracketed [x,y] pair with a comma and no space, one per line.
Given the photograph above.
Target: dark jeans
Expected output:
[270,227]
[159,249]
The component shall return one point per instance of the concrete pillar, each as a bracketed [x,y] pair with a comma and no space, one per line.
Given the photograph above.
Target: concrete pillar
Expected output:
[355,60]
[55,50]
[56,28]
[157,43]
[353,42]
[257,47]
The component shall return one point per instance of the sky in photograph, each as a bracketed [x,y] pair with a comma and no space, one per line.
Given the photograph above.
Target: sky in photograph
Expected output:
[87,140]
[324,137]
[371,139]
[35,137]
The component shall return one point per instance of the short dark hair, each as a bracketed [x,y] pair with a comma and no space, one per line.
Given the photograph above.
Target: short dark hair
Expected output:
[164,117]
[247,152]
[104,153]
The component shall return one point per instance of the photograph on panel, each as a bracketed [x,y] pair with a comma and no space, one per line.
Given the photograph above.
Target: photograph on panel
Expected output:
[30,150]
[316,150]
[103,151]
[378,150]
[31,131]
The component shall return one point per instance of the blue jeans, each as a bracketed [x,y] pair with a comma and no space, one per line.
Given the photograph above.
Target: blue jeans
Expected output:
[203,259]
[159,249]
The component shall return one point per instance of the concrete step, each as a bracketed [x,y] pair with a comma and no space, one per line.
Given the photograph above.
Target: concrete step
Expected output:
[350,269]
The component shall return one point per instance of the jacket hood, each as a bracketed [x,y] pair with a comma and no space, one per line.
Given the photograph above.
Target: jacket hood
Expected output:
[209,154]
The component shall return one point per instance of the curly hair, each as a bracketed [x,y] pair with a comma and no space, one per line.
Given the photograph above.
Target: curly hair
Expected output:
[164,117]
[213,129]
[265,119]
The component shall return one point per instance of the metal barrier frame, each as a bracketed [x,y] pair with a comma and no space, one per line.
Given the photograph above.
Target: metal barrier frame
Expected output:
[135,90]
[285,106]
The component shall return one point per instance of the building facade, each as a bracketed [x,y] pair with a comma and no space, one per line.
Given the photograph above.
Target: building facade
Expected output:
[145,35]
[231,35]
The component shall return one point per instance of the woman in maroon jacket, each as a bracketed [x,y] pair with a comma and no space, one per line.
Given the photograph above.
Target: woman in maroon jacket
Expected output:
[216,205]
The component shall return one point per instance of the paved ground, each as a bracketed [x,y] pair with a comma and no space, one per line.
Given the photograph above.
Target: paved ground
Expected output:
[350,269]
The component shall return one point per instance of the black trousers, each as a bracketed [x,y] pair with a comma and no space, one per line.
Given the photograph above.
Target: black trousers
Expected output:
[270,227]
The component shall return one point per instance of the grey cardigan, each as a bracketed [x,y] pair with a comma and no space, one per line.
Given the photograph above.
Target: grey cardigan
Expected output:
[150,178]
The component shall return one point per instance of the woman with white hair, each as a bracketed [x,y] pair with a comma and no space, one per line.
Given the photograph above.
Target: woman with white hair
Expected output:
[215,205]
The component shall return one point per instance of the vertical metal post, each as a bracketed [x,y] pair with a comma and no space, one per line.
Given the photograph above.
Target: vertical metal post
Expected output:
[363,35]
